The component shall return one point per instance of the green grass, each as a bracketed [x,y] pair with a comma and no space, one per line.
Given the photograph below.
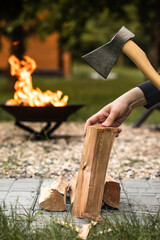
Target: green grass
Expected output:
[82,89]
[128,226]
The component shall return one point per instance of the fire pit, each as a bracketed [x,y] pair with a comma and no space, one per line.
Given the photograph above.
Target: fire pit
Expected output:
[31,104]
[46,114]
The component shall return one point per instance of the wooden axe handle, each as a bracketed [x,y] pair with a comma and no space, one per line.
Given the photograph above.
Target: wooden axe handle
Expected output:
[137,55]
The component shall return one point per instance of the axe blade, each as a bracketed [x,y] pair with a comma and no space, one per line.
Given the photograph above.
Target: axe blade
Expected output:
[103,58]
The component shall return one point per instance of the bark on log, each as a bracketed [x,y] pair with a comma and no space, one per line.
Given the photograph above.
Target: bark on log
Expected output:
[111,195]
[91,177]
[53,197]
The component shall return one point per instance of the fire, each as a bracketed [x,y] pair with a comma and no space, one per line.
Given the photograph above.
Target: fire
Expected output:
[25,94]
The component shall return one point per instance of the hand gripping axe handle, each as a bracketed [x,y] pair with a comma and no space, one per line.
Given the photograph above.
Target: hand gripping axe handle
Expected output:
[103,58]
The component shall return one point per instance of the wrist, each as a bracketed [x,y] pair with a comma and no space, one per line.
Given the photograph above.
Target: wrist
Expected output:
[134,98]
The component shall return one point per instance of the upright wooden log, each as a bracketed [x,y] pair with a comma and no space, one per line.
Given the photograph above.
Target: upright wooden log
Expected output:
[91,176]
[111,195]
[53,197]
[72,187]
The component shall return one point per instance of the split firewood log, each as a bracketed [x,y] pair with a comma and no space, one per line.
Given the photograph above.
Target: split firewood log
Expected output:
[72,187]
[92,171]
[111,195]
[53,197]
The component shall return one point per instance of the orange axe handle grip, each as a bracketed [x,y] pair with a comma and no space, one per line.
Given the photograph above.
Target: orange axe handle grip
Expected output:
[140,59]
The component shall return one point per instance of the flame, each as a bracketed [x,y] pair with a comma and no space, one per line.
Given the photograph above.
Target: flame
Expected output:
[15,43]
[25,94]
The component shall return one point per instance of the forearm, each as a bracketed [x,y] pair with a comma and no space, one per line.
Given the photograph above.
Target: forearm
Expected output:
[134,98]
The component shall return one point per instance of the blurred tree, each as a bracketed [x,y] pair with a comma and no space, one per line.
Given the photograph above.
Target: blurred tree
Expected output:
[99,17]
[18,20]
[21,18]
[98,32]
[149,17]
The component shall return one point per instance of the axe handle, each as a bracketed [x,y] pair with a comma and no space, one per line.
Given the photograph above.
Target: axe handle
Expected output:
[137,55]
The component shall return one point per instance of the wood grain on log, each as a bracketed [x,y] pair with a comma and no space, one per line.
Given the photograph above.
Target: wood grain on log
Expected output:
[91,177]
[111,195]
[72,187]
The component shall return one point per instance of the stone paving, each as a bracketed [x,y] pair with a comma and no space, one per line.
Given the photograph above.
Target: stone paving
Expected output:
[136,195]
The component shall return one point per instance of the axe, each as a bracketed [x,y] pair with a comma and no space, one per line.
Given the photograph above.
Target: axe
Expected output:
[103,58]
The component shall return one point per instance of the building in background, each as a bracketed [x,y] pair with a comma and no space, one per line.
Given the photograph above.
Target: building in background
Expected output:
[47,54]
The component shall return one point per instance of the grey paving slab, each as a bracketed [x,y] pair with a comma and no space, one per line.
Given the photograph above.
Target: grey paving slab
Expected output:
[5,184]
[25,185]
[143,200]
[143,196]
[123,195]
[47,182]
[152,209]
[156,191]
[22,193]
[124,203]
[22,198]
[154,182]
[155,186]
[18,210]
[60,216]
[136,195]
[2,196]
[131,190]
[135,183]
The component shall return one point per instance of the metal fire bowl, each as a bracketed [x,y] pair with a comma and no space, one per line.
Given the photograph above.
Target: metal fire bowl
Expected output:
[41,114]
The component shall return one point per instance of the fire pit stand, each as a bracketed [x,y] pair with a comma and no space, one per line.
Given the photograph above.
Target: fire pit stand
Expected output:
[45,132]
[47,114]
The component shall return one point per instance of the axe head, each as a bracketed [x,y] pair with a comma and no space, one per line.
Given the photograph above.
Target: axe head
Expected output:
[103,58]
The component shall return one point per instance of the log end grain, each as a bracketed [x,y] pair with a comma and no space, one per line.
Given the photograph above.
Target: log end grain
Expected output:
[111,195]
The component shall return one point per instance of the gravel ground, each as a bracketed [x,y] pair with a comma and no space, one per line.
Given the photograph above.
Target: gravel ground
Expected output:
[135,153]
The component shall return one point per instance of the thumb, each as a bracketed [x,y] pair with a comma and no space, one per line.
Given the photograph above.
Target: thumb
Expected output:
[110,120]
